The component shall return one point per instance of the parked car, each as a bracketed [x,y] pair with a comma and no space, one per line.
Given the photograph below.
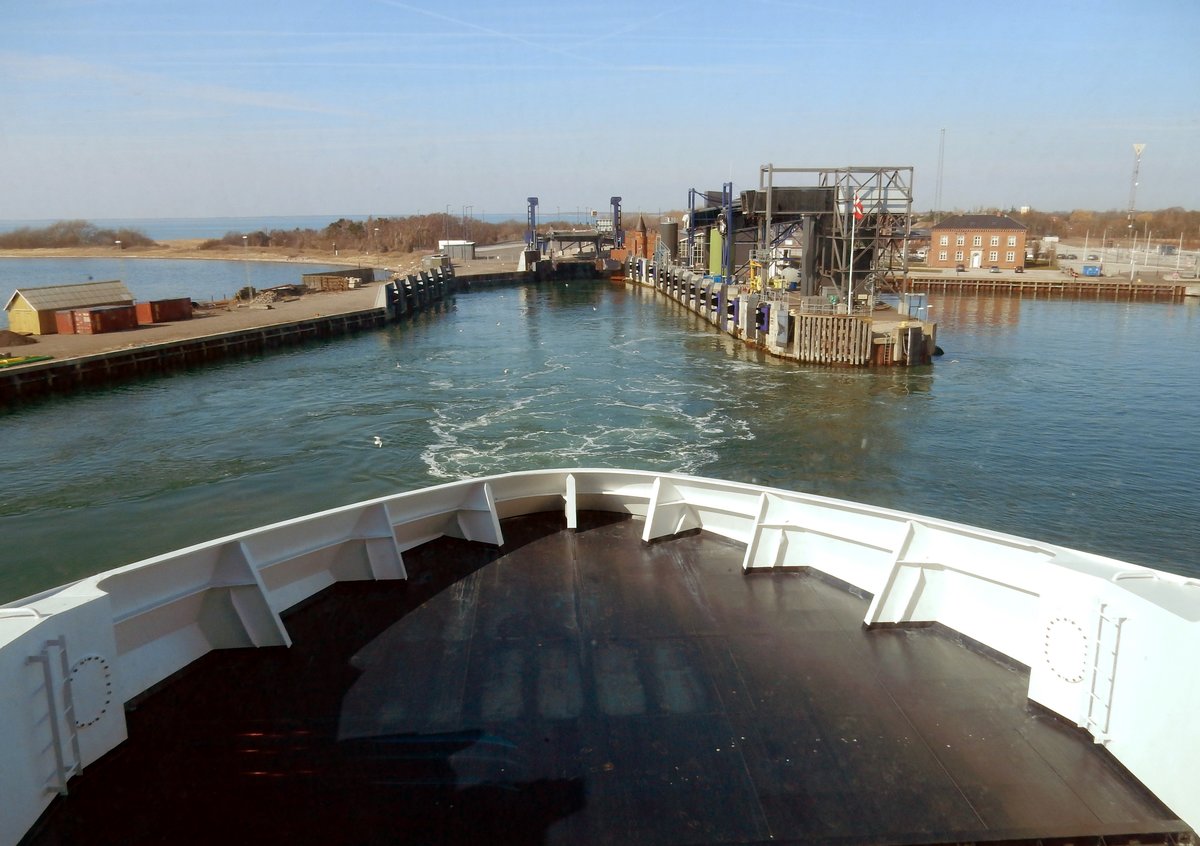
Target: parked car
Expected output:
[994,269]
[1018,269]
[958,268]
[1061,255]
[1093,257]
[1072,256]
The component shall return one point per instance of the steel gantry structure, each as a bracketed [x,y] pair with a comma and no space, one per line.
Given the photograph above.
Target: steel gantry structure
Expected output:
[856,224]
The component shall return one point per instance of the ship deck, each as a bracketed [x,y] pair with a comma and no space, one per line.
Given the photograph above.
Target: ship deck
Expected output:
[576,687]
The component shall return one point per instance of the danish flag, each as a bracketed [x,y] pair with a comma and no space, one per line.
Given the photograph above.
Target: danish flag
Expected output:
[858,207]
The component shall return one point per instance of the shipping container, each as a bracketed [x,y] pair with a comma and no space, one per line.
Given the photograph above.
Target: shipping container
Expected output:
[96,321]
[64,321]
[164,311]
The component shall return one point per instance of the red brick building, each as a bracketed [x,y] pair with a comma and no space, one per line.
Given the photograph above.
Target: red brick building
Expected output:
[977,241]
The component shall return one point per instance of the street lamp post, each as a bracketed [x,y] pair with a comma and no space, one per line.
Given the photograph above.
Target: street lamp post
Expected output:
[246,270]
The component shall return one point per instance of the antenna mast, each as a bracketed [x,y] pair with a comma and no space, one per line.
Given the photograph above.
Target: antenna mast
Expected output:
[1137,163]
[937,199]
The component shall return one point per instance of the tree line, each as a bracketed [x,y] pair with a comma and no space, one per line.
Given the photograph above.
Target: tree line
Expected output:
[1164,226]
[72,233]
[418,233]
[413,233]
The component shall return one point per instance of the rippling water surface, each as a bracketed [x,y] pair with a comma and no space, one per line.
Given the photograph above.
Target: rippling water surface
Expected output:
[1067,421]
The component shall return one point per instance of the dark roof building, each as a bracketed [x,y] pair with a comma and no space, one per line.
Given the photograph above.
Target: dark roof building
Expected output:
[977,241]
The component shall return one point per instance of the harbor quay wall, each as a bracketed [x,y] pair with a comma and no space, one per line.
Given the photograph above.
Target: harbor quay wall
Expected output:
[1102,288]
[63,376]
[197,346]
[790,327]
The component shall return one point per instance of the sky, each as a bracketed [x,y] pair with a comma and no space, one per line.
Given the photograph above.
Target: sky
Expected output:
[170,108]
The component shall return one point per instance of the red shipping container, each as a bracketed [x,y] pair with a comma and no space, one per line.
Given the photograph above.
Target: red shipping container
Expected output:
[162,311]
[101,319]
[64,321]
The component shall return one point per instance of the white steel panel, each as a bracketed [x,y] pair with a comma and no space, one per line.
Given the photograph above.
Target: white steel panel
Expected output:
[1035,602]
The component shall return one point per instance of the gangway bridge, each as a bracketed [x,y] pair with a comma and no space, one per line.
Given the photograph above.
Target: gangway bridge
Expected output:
[607,234]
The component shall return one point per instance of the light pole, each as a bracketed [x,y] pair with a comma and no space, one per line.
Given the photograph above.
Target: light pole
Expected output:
[376,239]
[246,271]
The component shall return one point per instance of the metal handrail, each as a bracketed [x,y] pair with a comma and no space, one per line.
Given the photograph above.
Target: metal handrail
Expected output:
[61,770]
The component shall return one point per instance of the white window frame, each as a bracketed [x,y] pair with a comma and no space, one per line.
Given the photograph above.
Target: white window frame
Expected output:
[995,242]
[942,255]
[958,255]
[945,241]
[1012,240]
[1010,257]
[960,240]
[977,241]
[994,255]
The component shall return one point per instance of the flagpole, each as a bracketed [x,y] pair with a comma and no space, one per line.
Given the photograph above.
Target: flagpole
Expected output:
[850,280]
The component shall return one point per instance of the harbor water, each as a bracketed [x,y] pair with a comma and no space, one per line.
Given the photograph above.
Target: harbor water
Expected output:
[1067,421]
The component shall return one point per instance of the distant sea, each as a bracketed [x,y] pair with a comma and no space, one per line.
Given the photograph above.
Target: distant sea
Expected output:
[150,279]
[176,228]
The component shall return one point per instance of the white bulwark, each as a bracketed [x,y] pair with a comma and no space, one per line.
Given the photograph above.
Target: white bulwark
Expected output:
[1110,646]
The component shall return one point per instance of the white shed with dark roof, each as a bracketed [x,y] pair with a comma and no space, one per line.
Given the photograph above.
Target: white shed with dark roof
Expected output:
[32,309]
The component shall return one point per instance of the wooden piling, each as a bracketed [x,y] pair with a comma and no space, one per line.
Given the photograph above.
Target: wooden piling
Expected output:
[833,339]
[1102,288]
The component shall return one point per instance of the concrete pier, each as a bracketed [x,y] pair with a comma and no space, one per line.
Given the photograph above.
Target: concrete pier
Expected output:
[82,361]
[784,324]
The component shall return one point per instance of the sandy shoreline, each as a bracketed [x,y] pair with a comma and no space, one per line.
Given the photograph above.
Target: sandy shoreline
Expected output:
[494,258]
[187,249]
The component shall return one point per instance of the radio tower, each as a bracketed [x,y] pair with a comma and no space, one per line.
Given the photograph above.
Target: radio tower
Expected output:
[1137,163]
[937,196]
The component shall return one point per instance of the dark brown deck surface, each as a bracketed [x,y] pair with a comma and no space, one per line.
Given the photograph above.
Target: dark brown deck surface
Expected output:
[587,688]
